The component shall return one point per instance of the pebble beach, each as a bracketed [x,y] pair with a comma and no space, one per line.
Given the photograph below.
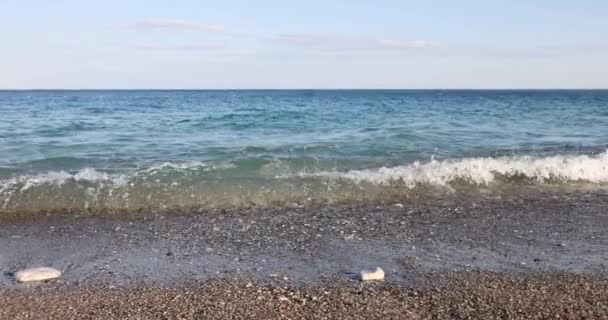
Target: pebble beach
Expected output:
[525,257]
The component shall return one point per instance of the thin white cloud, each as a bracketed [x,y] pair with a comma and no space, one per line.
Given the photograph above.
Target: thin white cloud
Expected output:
[340,42]
[399,43]
[180,47]
[174,24]
[319,40]
[555,51]
[539,51]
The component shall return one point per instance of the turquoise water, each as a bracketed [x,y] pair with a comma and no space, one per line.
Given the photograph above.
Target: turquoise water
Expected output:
[140,149]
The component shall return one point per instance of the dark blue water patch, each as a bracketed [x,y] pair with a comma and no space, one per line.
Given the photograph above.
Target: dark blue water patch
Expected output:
[69,129]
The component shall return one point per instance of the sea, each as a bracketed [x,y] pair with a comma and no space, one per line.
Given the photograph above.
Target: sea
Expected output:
[151,150]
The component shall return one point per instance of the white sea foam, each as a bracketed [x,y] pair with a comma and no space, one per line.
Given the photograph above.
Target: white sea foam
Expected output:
[483,171]
[177,166]
[189,165]
[25,182]
[20,184]
[96,189]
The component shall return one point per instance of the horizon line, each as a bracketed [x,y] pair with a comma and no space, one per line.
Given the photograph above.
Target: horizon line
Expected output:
[305,89]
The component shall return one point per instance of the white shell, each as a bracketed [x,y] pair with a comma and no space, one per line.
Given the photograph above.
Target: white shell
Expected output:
[370,275]
[37,274]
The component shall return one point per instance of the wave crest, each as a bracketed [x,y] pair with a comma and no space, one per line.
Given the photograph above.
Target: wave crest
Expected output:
[197,184]
[483,171]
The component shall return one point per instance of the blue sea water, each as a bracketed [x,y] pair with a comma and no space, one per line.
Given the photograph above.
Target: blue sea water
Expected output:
[142,149]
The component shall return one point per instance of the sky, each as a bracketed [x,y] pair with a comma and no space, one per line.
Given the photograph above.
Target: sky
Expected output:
[331,44]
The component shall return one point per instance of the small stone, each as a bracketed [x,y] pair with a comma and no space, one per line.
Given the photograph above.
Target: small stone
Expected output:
[399,205]
[371,275]
[409,261]
[349,237]
[37,274]
[283,299]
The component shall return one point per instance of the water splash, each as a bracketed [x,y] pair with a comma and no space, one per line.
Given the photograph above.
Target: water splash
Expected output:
[483,171]
[199,184]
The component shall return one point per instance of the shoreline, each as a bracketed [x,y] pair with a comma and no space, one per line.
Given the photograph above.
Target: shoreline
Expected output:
[436,255]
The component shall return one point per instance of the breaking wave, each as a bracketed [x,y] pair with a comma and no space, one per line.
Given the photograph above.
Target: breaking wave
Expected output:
[199,184]
[483,171]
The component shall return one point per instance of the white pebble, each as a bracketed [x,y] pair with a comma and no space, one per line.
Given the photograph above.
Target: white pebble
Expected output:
[370,275]
[37,274]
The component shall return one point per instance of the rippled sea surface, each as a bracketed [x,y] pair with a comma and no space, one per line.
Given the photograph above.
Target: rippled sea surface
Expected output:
[165,149]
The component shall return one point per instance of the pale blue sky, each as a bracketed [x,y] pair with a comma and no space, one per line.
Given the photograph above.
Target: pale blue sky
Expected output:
[303,44]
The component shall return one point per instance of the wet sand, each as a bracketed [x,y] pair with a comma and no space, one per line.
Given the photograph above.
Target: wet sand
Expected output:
[519,257]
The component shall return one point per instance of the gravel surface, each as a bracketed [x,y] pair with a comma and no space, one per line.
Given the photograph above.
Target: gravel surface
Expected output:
[525,256]
[451,296]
